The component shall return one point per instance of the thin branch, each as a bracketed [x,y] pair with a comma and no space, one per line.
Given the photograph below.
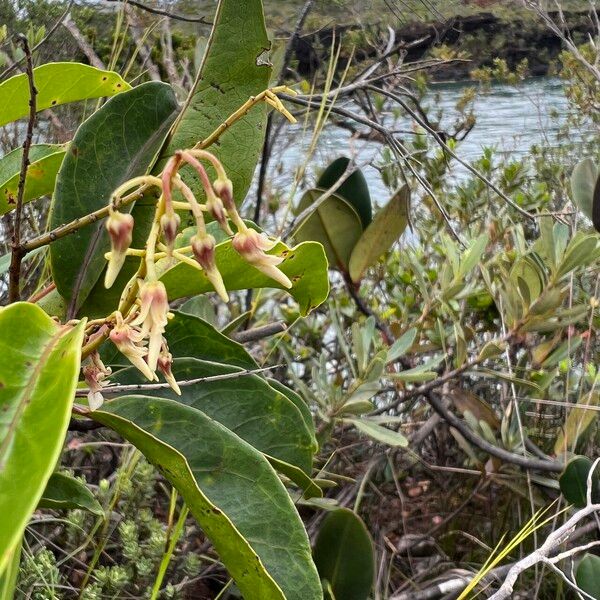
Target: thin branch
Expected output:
[164,13]
[259,333]
[142,387]
[17,252]
[82,43]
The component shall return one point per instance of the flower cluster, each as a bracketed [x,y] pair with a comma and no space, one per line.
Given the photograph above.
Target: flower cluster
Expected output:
[139,324]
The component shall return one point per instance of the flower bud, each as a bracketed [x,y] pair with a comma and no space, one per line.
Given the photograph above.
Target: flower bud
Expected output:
[120,228]
[169,224]
[252,245]
[203,247]
[224,189]
[217,210]
[164,364]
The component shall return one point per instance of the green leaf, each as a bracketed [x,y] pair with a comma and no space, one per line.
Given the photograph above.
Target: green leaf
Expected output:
[573,481]
[578,421]
[64,492]
[38,376]
[116,143]
[581,251]
[247,405]
[230,488]
[305,265]
[45,160]
[354,189]
[583,181]
[587,575]
[232,71]
[10,575]
[191,336]
[57,83]
[334,223]
[385,229]
[401,346]
[379,433]
[344,555]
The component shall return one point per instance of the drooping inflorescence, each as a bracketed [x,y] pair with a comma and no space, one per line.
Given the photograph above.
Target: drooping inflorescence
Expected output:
[139,324]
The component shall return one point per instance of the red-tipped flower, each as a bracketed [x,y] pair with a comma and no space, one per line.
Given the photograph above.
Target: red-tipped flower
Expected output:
[253,246]
[164,364]
[224,189]
[169,224]
[203,246]
[129,341]
[120,228]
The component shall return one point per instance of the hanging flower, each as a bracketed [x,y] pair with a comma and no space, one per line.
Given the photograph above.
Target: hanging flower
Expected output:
[164,364]
[152,317]
[169,224]
[253,245]
[224,189]
[203,246]
[120,228]
[129,341]
[95,374]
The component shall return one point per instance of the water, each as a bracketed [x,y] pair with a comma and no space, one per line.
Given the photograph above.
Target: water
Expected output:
[510,119]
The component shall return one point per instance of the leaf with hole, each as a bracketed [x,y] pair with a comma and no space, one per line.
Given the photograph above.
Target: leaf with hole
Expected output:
[343,554]
[385,229]
[116,143]
[57,83]
[45,161]
[38,376]
[232,71]
[231,489]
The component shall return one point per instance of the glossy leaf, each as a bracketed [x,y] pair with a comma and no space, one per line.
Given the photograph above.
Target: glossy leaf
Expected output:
[334,224]
[116,143]
[354,189]
[57,83]
[305,265]
[64,492]
[587,575]
[230,488]
[193,337]
[38,376]
[583,182]
[45,160]
[573,481]
[578,421]
[344,555]
[233,69]
[379,433]
[385,229]
[246,405]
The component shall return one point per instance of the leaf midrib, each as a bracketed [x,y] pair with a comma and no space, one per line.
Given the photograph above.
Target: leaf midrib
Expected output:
[28,391]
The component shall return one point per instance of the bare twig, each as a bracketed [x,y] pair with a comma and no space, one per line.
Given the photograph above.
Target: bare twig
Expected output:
[83,44]
[259,333]
[17,251]
[164,13]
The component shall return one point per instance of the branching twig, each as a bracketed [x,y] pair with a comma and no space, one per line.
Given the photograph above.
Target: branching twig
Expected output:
[17,251]
[164,13]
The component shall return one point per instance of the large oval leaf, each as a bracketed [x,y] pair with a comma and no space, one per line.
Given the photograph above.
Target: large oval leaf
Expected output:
[354,189]
[344,555]
[188,335]
[387,226]
[232,71]
[246,405]
[230,488]
[305,265]
[573,481]
[57,83]
[45,161]
[334,224]
[118,142]
[38,376]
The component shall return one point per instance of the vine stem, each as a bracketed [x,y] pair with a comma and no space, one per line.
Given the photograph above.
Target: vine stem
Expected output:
[17,252]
